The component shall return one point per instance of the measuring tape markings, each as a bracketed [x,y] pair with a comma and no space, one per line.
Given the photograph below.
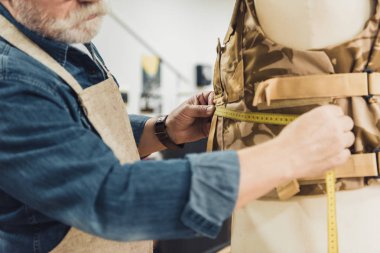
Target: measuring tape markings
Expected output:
[256,117]
[331,207]
[285,119]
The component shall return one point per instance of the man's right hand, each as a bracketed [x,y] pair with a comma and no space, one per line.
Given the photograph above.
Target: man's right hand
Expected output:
[314,143]
[318,141]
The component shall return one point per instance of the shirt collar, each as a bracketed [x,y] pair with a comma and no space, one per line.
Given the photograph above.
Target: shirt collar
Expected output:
[55,49]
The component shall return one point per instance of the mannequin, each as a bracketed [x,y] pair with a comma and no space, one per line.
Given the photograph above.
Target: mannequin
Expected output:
[281,47]
[324,22]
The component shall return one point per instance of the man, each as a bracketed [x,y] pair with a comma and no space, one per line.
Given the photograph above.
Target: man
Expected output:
[56,171]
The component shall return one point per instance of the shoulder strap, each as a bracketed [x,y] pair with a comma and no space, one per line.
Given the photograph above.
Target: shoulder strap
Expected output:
[377,9]
[11,34]
[233,23]
[241,7]
[252,10]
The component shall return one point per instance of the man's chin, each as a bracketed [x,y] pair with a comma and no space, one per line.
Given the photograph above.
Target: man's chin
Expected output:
[83,34]
[80,39]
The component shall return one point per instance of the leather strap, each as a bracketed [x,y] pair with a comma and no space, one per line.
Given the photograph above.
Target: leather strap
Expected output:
[163,136]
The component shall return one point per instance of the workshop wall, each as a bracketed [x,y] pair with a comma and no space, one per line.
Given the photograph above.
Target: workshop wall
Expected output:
[184,32]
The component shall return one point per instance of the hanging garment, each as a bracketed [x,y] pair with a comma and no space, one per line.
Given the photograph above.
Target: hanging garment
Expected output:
[253,74]
[105,110]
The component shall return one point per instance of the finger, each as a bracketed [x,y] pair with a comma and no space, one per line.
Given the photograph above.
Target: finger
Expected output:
[349,139]
[341,158]
[336,110]
[211,98]
[201,99]
[208,97]
[206,129]
[199,111]
[347,123]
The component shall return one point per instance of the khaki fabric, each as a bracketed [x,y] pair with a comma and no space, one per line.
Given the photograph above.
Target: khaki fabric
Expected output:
[104,108]
[255,74]
[299,225]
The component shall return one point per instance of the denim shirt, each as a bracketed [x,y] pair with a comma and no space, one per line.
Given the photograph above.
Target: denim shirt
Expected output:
[57,173]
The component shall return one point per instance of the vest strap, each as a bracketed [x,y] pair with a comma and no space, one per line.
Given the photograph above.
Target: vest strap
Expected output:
[359,165]
[211,139]
[374,83]
[317,86]
[233,23]
[288,190]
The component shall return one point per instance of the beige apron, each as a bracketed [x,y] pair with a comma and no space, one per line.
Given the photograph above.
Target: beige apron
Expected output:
[104,108]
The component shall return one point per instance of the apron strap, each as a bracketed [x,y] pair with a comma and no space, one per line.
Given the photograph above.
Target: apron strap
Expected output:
[97,58]
[11,34]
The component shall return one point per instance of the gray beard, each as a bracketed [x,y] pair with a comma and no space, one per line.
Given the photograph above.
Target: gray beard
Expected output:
[72,29]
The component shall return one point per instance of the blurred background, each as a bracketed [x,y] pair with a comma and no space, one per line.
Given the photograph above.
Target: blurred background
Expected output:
[162,52]
[183,33]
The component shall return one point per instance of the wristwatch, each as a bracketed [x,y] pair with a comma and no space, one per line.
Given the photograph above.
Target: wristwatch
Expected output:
[162,134]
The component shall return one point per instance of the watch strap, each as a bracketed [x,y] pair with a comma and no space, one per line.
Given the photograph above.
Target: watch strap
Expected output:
[162,134]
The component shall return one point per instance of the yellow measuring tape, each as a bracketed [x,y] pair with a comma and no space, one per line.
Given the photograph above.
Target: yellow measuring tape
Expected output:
[331,212]
[284,119]
[256,117]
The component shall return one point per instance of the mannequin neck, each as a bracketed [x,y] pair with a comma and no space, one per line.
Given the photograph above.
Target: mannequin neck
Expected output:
[312,24]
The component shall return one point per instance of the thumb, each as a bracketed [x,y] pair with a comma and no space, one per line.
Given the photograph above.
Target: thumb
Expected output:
[206,129]
[199,111]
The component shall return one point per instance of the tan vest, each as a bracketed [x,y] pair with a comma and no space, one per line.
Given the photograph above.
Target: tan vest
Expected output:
[104,108]
[253,74]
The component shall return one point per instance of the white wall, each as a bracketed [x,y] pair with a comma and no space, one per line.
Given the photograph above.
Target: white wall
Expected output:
[184,32]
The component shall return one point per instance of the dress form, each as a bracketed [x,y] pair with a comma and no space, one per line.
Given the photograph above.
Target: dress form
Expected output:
[313,24]
[300,224]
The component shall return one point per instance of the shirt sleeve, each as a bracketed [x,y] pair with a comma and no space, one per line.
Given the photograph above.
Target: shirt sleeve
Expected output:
[53,164]
[138,123]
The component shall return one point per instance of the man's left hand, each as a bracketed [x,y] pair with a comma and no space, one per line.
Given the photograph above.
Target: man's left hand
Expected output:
[191,120]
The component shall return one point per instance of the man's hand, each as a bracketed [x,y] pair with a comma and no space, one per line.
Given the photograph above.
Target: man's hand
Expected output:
[314,143]
[320,140]
[191,120]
